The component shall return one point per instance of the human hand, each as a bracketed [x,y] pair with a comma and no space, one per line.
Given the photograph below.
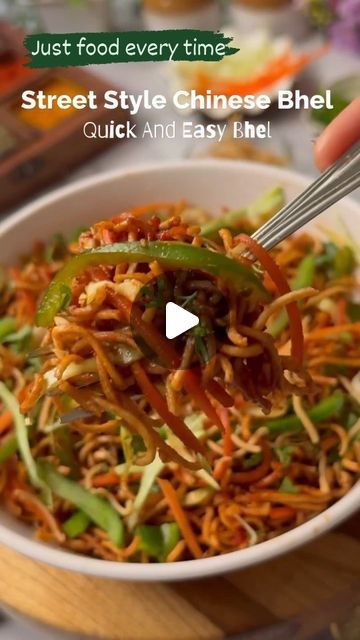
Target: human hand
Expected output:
[338,136]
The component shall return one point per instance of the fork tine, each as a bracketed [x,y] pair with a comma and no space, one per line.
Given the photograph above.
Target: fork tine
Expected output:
[339,180]
[298,216]
[281,233]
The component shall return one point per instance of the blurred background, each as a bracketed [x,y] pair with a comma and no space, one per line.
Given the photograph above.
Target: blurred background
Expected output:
[281,45]
[286,35]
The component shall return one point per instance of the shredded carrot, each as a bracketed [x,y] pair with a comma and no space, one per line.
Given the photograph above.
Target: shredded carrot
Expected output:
[150,208]
[328,443]
[193,386]
[158,402]
[327,359]
[341,311]
[329,332]
[253,475]
[228,444]
[282,514]
[180,517]
[221,467]
[296,331]
[106,480]
[6,421]
[285,65]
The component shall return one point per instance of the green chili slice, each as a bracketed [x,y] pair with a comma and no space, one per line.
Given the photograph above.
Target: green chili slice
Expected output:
[170,255]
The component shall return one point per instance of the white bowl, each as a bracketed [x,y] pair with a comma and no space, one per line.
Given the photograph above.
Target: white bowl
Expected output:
[211,184]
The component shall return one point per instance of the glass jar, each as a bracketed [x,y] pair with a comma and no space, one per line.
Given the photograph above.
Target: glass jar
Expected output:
[181,14]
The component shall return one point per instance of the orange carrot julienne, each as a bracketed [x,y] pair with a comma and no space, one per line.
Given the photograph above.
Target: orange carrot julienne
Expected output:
[329,442]
[180,517]
[221,467]
[284,65]
[158,402]
[106,479]
[146,208]
[228,444]
[325,332]
[6,421]
[282,513]
[193,386]
[274,271]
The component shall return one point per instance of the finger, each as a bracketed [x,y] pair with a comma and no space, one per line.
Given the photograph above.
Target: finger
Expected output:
[338,136]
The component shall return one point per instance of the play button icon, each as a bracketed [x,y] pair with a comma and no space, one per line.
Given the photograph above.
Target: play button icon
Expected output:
[178,320]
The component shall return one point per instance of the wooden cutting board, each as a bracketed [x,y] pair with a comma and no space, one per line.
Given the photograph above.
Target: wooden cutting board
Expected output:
[291,597]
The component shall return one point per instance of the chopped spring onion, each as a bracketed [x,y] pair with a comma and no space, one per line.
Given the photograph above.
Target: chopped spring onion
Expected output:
[159,541]
[76,524]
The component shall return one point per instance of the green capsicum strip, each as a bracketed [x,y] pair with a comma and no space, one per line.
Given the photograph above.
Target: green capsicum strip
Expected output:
[158,541]
[170,255]
[97,509]
[304,278]
[324,410]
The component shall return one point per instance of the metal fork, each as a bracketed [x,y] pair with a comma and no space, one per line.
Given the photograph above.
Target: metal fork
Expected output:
[335,183]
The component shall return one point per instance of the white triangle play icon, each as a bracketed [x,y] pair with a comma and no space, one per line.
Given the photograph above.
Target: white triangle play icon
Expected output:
[178,320]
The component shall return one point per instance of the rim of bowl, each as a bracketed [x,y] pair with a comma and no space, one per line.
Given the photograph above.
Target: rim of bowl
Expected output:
[186,569]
